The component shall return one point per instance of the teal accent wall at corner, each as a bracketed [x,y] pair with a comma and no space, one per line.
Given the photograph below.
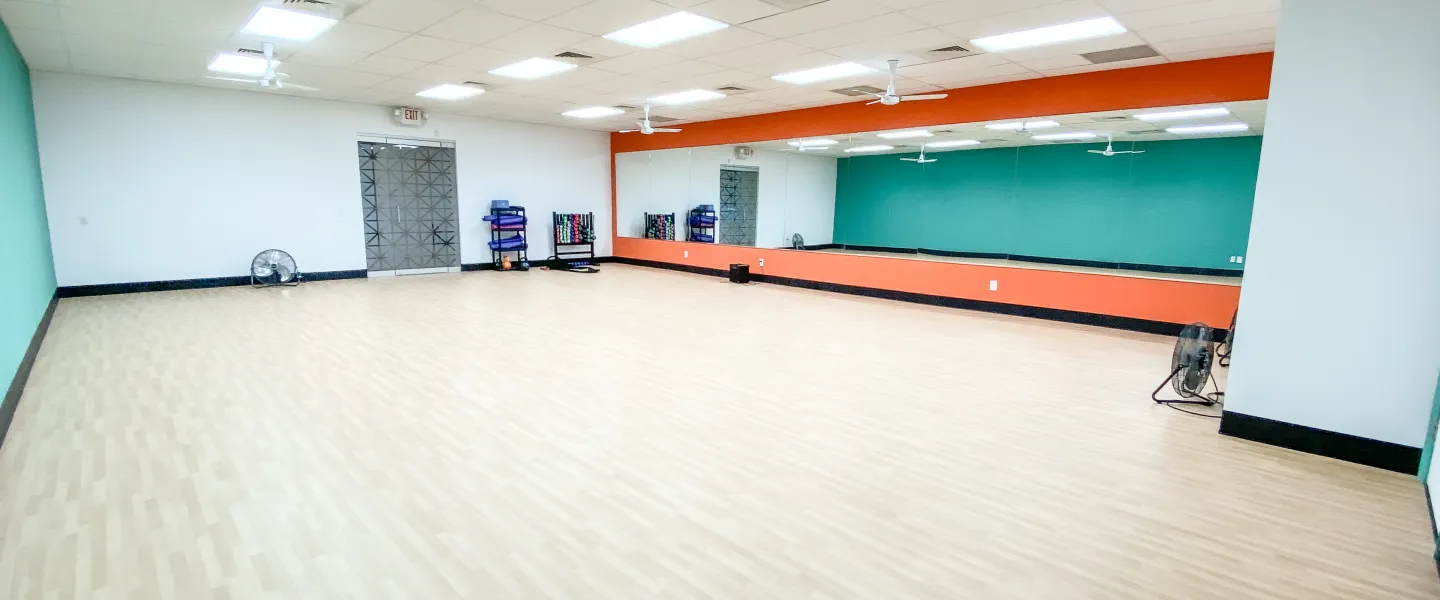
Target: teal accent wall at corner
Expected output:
[28,271]
[1183,203]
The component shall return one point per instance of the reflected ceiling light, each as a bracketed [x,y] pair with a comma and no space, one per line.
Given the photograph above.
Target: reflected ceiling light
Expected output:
[1052,137]
[819,143]
[952,143]
[287,24]
[1176,115]
[450,91]
[844,69]
[687,97]
[532,68]
[661,31]
[1015,126]
[593,112]
[1221,128]
[905,135]
[875,148]
[1055,34]
[239,65]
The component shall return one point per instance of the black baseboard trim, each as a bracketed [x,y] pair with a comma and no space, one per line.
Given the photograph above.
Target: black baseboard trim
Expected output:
[535,264]
[106,289]
[1375,453]
[1048,314]
[816,247]
[1119,266]
[22,373]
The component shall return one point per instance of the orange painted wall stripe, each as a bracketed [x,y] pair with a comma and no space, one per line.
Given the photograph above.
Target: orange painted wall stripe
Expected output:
[1135,297]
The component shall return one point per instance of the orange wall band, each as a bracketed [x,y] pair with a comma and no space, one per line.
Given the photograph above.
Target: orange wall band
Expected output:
[1229,79]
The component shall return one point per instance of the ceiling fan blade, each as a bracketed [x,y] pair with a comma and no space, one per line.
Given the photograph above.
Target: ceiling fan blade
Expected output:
[911,159]
[924,97]
[235,79]
[1096,151]
[872,102]
[628,131]
[665,130]
[303,88]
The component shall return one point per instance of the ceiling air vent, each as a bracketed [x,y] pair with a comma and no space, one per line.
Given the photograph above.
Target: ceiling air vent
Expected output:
[574,55]
[1119,54]
[626,107]
[859,90]
[993,141]
[658,119]
[316,2]
[952,49]
[733,89]
[1146,132]
[250,51]
[1110,119]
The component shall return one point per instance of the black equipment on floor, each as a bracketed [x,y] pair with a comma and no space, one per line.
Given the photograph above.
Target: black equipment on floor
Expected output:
[739,273]
[1226,347]
[273,267]
[1190,370]
[797,242]
[507,235]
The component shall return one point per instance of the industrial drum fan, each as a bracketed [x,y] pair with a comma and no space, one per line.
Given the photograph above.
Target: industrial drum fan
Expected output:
[273,267]
[1190,369]
[797,242]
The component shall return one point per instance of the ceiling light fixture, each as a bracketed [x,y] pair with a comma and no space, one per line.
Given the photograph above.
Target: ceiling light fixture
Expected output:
[952,143]
[532,68]
[1055,34]
[287,24]
[820,143]
[450,91]
[1176,115]
[875,148]
[593,112]
[1017,125]
[817,74]
[905,135]
[1055,137]
[687,97]
[666,29]
[239,65]
[1221,128]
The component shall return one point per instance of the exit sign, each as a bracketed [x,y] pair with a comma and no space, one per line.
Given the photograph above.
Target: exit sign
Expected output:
[414,117]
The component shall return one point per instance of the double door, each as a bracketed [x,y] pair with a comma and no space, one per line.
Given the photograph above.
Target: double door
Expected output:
[408,194]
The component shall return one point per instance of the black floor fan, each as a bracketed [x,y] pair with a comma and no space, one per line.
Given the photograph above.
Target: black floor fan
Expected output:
[1226,347]
[1190,369]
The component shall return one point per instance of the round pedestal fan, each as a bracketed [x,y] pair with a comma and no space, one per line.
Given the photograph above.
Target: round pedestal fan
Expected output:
[1190,369]
[273,267]
[797,242]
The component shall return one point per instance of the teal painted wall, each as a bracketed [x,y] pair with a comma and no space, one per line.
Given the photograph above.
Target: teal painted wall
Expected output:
[27,270]
[1181,203]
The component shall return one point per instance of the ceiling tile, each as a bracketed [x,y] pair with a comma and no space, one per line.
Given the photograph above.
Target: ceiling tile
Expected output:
[386,65]
[816,17]
[725,40]
[891,24]
[35,41]
[475,26]
[584,76]
[1127,6]
[602,48]
[1113,42]
[1196,11]
[1054,62]
[956,11]
[1210,28]
[1124,64]
[538,40]
[758,54]
[482,59]
[684,70]
[436,74]
[944,68]
[353,36]
[894,46]
[604,16]
[30,15]
[637,62]
[735,12]
[424,49]
[328,57]
[533,10]
[1229,40]
[1021,20]
[405,15]
[1217,52]
[323,77]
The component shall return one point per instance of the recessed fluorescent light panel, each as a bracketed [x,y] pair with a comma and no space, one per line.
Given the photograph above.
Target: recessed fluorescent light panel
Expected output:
[1027,124]
[905,135]
[820,143]
[1055,34]
[1176,115]
[532,68]
[286,24]
[239,65]
[876,148]
[1055,137]
[817,74]
[450,91]
[952,143]
[1221,128]
[664,30]
[687,97]
[593,112]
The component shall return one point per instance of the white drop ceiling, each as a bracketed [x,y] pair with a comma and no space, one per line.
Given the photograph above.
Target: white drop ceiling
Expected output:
[1121,125]
[386,50]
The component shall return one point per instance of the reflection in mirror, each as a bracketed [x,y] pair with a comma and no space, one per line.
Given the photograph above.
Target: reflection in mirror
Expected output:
[1161,191]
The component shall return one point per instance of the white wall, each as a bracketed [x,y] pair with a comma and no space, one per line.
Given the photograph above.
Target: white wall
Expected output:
[152,181]
[1339,324]
[796,191]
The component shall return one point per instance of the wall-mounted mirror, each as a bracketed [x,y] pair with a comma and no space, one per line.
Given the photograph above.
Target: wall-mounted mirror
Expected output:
[1166,190]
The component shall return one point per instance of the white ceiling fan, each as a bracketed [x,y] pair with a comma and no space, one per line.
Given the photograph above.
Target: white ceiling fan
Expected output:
[1109,151]
[889,98]
[646,128]
[921,159]
[279,81]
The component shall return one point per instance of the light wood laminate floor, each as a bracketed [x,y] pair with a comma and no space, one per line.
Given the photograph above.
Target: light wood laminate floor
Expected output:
[649,434]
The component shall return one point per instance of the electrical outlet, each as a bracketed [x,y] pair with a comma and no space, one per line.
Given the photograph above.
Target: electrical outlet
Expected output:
[994,285]
[687,254]
[1240,259]
[1232,259]
[762,262]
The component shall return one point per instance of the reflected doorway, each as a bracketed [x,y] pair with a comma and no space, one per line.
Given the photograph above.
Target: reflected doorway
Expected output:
[739,195]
